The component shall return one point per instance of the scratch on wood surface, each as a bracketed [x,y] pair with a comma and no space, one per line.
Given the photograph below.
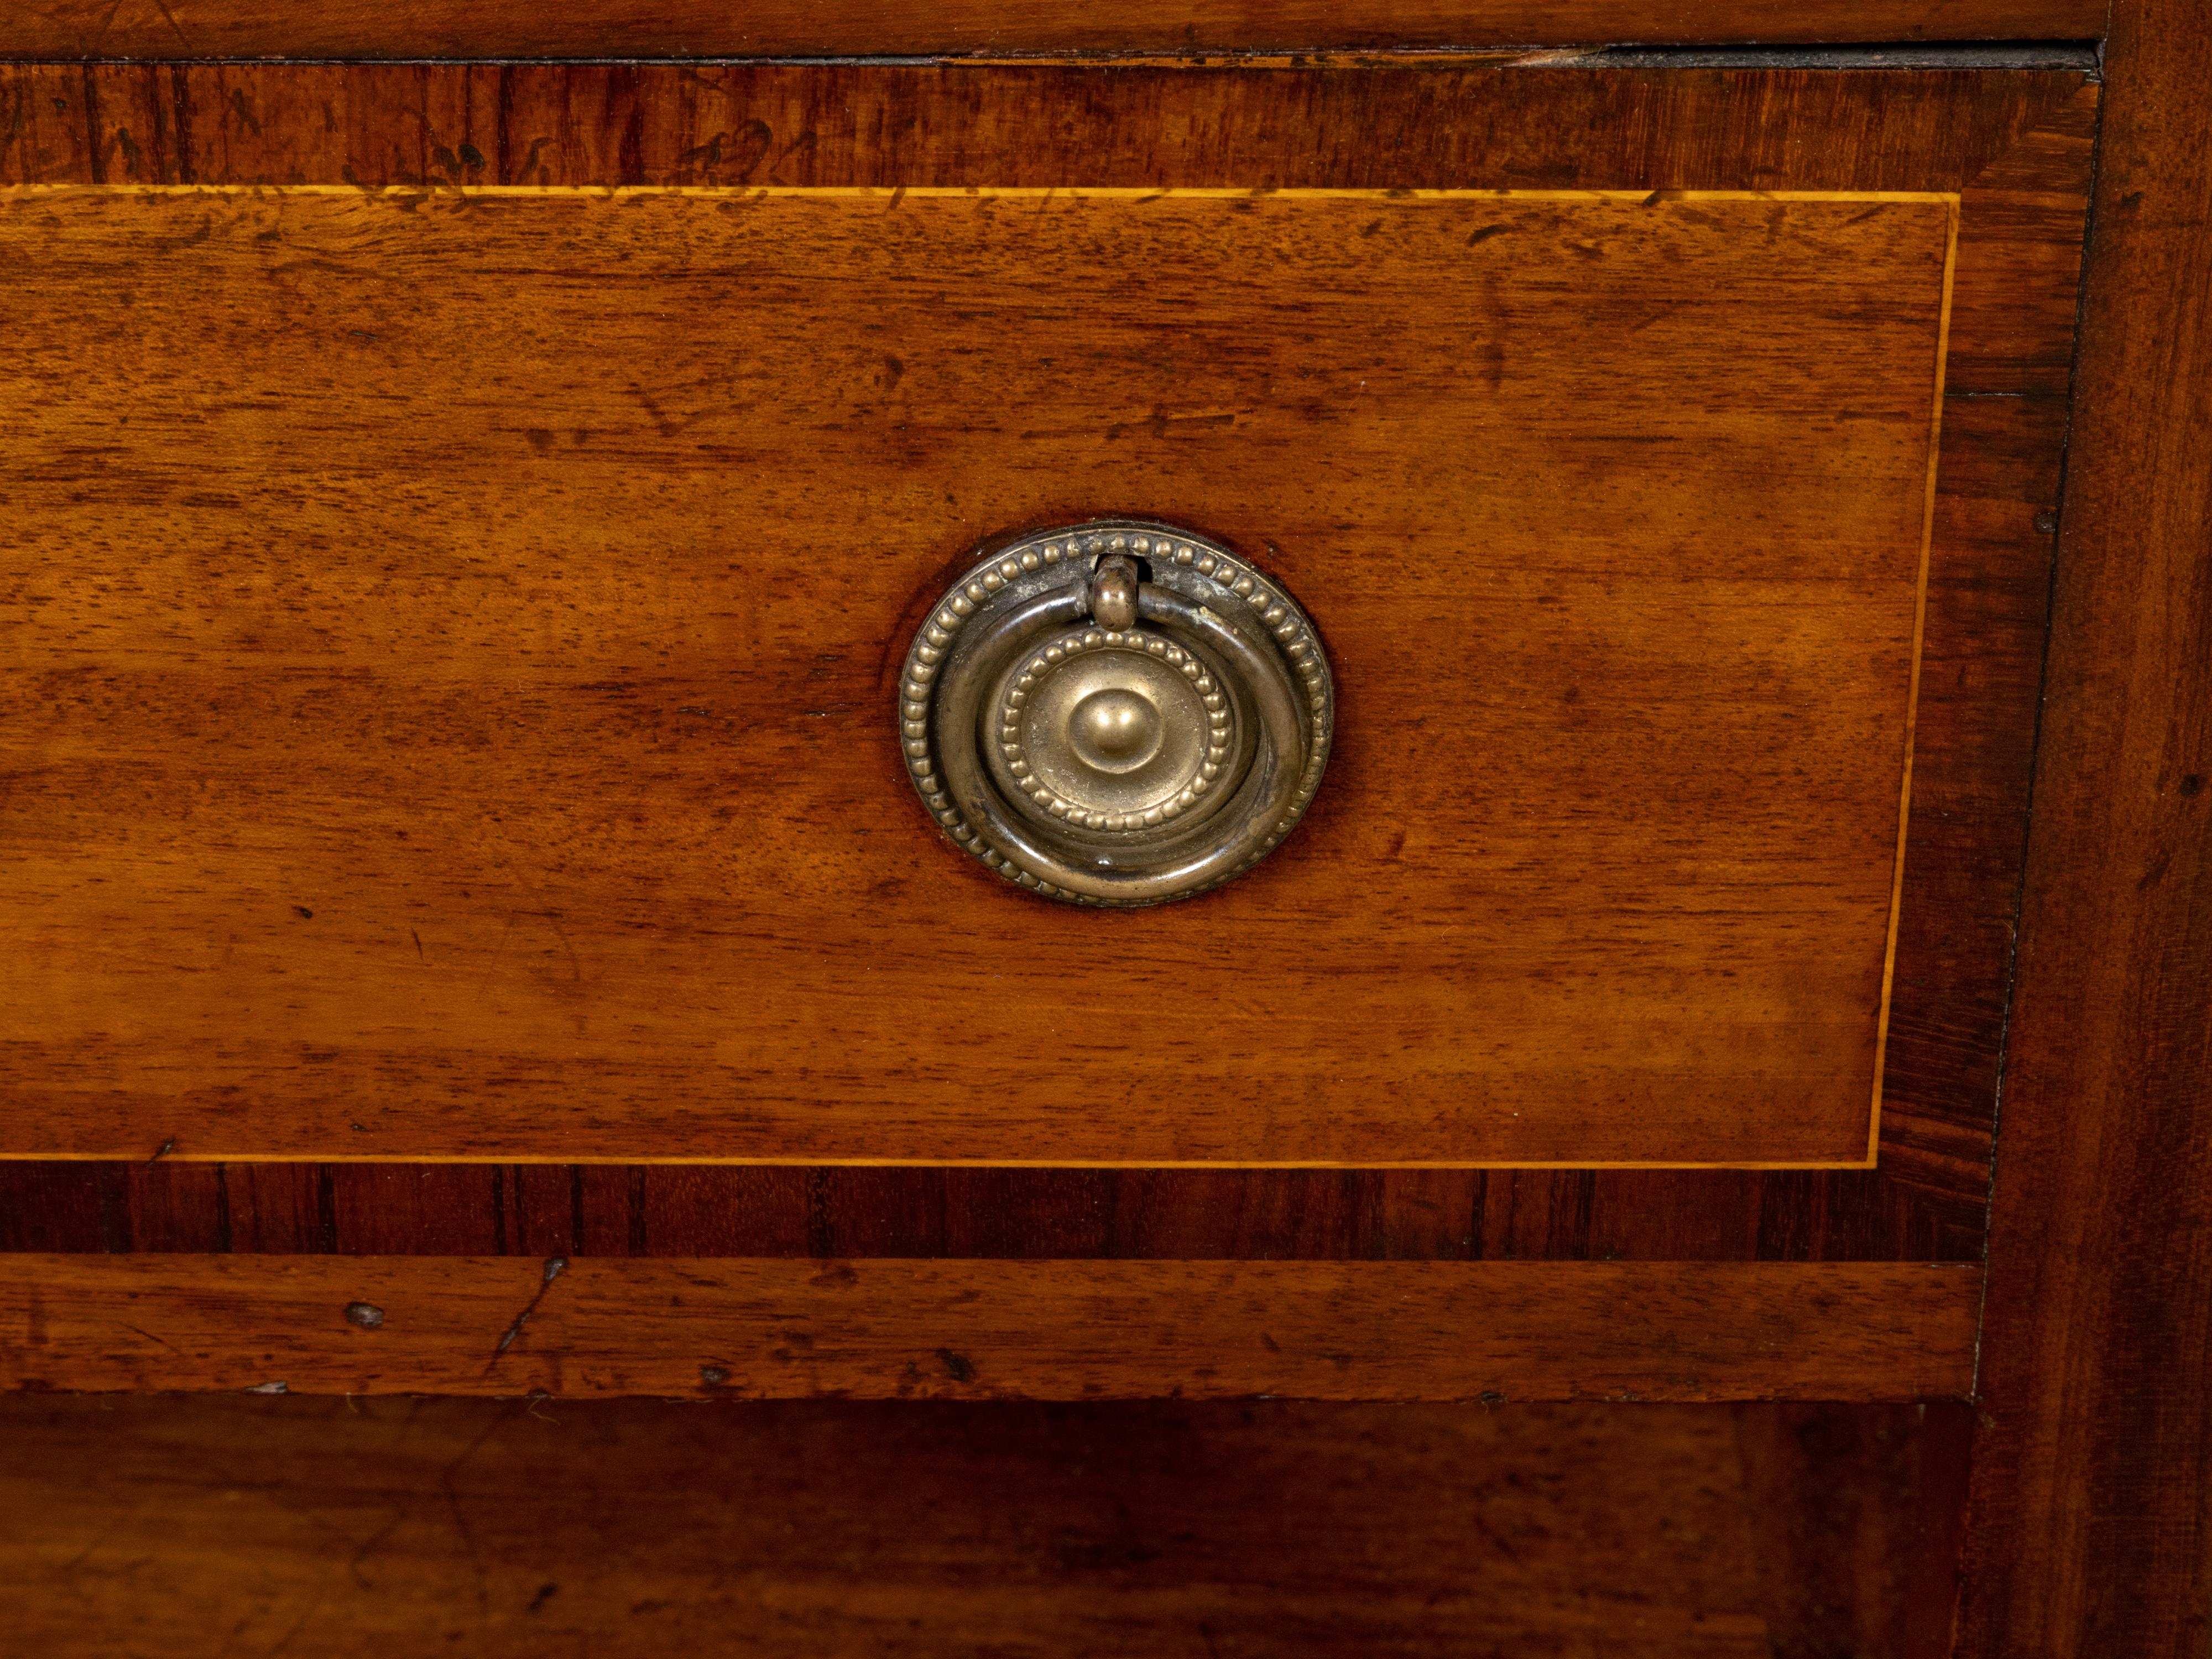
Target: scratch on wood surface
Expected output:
[554,1266]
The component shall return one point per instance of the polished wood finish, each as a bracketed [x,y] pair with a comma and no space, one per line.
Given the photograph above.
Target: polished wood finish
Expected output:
[172,29]
[2090,1505]
[2093,1507]
[704,1210]
[552,803]
[161,1527]
[1851,1573]
[2016,144]
[1053,1330]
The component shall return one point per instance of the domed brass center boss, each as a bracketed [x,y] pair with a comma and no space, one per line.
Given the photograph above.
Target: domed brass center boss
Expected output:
[1113,730]
[1118,714]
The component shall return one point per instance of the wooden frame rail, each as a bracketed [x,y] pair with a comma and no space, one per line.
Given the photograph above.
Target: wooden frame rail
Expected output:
[1054,1330]
[2091,1519]
[171,30]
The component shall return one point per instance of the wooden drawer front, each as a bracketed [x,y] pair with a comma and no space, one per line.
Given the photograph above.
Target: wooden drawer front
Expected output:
[461,630]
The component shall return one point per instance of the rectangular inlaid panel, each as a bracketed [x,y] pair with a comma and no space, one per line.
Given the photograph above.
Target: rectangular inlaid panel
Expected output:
[452,645]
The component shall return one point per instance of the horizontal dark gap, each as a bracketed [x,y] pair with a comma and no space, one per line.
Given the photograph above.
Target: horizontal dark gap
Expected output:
[1910,54]
[2081,55]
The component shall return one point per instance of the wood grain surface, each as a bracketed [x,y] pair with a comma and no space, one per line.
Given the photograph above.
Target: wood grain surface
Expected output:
[169,29]
[674,1211]
[1855,1568]
[2016,146]
[2092,1488]
[368,1527]
[453,632]
[1054,1330]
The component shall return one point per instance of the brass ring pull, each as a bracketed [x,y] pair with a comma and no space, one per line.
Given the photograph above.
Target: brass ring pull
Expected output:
[1119,713]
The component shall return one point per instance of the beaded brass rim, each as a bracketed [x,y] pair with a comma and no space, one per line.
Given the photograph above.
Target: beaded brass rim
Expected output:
[1117,714]
[1042,741]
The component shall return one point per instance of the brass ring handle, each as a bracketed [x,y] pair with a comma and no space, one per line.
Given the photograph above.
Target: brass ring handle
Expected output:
[1119,713]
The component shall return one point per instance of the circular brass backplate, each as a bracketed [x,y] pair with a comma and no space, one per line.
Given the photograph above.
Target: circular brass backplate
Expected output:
[1120,712]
